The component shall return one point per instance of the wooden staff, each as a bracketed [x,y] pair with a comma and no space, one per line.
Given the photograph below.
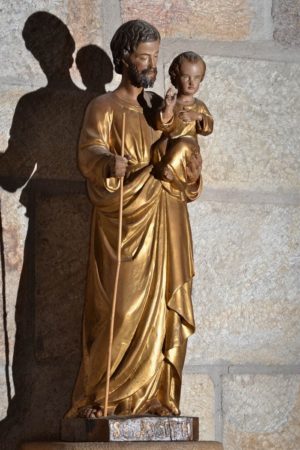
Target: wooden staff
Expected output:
[113,308]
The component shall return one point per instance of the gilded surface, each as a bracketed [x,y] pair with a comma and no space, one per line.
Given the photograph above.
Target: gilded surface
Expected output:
[178,128]
[179,143]
[154,315]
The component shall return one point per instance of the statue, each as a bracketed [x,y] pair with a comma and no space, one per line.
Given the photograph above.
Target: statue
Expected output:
[182,118]
[154,315]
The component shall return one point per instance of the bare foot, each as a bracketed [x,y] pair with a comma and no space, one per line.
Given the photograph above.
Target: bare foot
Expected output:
[157,409]
[90,412]
[162,411]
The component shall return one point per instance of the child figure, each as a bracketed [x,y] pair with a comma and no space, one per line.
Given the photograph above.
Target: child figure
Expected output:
[181,119]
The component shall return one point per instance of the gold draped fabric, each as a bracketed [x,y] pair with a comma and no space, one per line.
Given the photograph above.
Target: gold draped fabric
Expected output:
[177,128]
[154,315]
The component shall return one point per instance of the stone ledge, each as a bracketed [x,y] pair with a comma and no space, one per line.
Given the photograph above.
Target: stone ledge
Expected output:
[122,445]
[266,51]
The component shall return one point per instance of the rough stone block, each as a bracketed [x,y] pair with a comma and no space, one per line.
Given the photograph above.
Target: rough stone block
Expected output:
[246,289]
[9,100]
[21,66]
[14,228]
[44,135]
[3,392]
[14,224]
[62,242]
[255,141]
[60,375]
[261,412]
[198,400]
[233,20]
[25,422]
[286,17]
[84,20]
[121,446]
[7,388]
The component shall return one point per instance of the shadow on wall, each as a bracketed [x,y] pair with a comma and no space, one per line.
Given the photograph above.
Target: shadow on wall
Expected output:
[44,133]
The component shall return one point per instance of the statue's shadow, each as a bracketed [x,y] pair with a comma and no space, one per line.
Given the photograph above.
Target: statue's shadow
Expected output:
[44,133]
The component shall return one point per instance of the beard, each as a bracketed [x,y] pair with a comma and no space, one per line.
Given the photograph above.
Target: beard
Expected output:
[145,78]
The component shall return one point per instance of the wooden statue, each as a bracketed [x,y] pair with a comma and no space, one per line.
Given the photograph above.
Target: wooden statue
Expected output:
[182,118]
[154,315]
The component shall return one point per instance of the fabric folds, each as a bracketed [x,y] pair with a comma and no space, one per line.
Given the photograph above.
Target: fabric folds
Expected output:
[154,315]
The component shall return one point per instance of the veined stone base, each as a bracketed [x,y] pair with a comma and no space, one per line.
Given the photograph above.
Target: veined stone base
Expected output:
[128,429]
[122,446]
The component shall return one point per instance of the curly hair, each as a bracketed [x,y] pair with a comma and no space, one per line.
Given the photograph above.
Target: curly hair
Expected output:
[127,38]
[174,69]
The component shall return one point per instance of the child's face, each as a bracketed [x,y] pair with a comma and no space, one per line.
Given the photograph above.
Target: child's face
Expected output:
[190,77]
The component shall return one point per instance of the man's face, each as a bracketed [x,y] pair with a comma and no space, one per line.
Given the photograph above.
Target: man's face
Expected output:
[142,64]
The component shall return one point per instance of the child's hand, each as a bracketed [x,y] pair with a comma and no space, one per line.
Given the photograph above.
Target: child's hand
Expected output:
[193,168]
[189,116]
[167,112]
[170,98]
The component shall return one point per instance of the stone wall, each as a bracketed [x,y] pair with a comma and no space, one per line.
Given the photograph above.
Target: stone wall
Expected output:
[242,375]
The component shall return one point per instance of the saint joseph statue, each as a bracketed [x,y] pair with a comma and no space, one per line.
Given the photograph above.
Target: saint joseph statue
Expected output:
[154,315]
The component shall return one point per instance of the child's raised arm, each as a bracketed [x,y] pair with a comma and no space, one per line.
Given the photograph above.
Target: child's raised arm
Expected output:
[167,112]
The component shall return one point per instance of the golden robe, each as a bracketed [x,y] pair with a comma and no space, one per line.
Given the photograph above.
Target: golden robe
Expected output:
[154,315]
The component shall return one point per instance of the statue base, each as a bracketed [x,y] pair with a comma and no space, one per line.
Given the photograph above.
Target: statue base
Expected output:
[130,429]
